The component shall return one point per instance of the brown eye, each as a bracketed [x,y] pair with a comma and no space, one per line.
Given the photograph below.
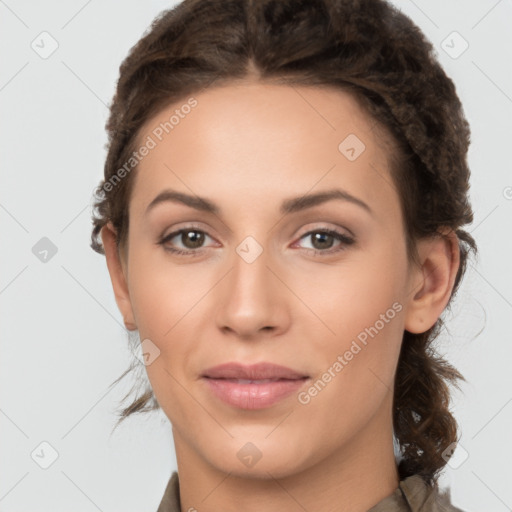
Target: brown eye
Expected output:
[324,241]
[188,241]
[192,239]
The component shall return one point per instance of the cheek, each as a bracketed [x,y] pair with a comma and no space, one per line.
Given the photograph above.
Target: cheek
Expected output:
[358,361]
[163,292]
[169,312]
[169,302]
[360,307]
[352,297]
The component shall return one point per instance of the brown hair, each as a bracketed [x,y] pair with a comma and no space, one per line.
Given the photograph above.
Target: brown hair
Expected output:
[365,47]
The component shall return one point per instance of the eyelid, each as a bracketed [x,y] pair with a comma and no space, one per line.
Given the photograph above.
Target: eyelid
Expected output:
[343,239]
[178,231]
[325,226]
[187,226]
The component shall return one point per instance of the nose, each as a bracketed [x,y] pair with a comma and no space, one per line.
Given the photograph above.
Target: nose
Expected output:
[253,300]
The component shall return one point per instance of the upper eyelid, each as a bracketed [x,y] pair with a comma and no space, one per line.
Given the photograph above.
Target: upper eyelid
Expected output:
[306,232]
[176,232]
[338,229]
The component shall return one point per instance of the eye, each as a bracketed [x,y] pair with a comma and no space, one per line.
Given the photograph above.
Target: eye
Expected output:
[191,239]
[323,241]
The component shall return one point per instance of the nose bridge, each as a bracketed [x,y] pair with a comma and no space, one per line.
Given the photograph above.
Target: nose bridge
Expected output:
[251,299]
[250,280]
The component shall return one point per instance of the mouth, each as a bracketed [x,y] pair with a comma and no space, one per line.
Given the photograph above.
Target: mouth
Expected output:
[255,372]
[253,387]
[255,381]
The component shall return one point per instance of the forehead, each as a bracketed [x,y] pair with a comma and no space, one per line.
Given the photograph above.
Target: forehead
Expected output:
[251,106]
[267,137]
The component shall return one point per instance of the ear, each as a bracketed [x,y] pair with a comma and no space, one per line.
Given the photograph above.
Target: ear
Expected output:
[117,271]
[432,282]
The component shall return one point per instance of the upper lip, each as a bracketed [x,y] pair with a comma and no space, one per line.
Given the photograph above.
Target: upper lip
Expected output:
[252,372]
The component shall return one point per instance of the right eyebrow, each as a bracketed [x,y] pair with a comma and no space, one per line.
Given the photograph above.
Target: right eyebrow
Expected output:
[199,203]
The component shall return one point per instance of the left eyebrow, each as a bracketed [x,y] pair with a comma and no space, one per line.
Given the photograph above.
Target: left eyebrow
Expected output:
[308,201]
[288,206]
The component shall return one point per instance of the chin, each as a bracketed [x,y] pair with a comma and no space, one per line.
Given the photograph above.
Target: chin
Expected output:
[258,458]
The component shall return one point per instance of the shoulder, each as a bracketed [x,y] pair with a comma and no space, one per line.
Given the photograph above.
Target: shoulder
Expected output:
[423,497]
[414,494]
[171,498]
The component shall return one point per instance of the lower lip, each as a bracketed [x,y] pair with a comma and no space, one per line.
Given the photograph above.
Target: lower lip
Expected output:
[253,395]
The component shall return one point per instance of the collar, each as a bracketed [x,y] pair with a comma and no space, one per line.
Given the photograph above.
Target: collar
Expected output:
[412,495]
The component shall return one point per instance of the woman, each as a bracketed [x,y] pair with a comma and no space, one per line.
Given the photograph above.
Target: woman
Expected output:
[282,216]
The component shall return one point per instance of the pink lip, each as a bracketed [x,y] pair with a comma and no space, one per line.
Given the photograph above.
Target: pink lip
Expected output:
[253,372]
[253,396]
[223,382]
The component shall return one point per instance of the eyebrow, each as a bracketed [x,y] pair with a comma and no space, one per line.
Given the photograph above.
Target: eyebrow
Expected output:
[288,206]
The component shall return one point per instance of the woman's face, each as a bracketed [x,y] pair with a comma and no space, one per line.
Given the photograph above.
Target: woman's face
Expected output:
[260,279]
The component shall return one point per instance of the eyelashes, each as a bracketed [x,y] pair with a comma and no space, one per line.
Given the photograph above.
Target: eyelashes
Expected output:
[324,235]
[343,239]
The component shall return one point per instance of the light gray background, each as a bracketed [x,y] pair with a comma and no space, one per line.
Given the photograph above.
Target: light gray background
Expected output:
[62,338]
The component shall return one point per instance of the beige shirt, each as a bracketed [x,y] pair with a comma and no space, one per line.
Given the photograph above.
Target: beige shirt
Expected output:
[412,495]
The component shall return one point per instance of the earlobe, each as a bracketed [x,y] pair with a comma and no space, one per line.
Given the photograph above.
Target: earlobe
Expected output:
[117,275]
[433,281]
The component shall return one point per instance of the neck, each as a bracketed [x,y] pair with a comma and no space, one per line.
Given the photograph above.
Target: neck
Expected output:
[356,477]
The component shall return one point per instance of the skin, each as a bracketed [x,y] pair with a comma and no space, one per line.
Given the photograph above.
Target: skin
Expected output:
[247,147]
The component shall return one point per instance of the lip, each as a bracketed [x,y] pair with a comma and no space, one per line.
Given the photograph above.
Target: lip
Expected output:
[256,371]
[252,387]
